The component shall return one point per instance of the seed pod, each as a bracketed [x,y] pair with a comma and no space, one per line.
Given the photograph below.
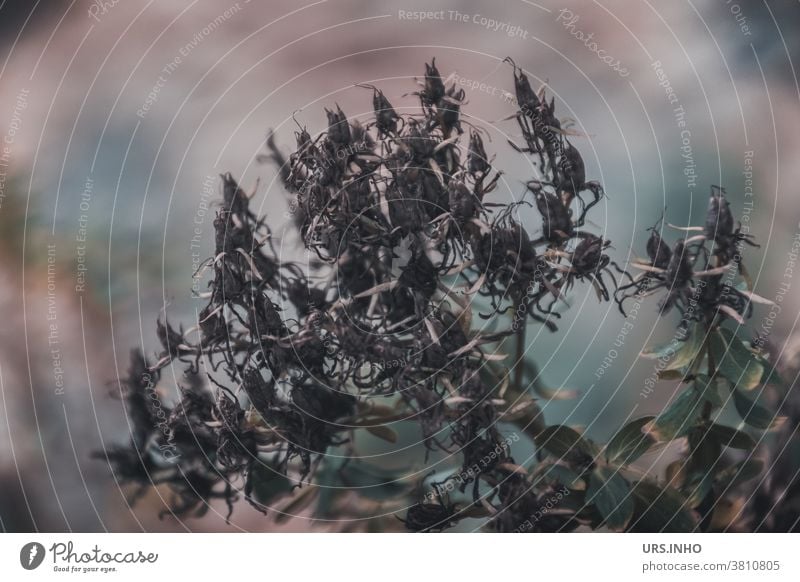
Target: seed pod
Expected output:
[169,338]
[385,115]
[234,199]
[719,220]
[658,251]
[404,211]
[338,127]
[588,256]
[549,115]
[476,156]
[420,275]
[434,86]
[141,398]
[462,202]
[303,139]
[419,142]
[573,171]
[679,271]
[449,109]
[262,394]
[556,222]
[527,100]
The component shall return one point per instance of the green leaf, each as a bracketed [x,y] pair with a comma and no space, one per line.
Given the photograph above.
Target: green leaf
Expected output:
[770,376]
[611,495]
[670,375]
[678,418]
[753,413]
[562,442]
[704,453]
[732,438]
[630,442]
[564,476]
[679,353]
[660,510]
[734,360]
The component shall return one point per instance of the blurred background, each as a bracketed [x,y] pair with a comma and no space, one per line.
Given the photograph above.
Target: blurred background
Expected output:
[118,116]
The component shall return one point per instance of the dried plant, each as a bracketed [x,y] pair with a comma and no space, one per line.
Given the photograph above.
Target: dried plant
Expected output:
[410,243]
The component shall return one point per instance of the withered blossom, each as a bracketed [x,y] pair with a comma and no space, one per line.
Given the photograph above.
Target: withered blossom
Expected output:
[407,230]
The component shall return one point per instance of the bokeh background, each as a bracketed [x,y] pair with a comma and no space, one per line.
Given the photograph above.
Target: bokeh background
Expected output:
[117,117]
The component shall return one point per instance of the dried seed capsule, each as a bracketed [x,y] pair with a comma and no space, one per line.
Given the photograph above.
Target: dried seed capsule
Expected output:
[556,221]
[449,110]
[679,271]
[169,338]
[462,202]
[527,100]
[420,142]
[385,115]
[420,275]
[477,163]
[573,171]
[658,251]
[588,256]
[234,198]
[719,220]
[434,86]
[338,127]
